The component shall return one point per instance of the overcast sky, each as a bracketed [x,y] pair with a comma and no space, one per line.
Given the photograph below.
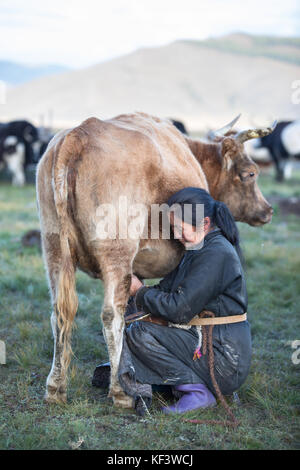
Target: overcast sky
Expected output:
[78,33]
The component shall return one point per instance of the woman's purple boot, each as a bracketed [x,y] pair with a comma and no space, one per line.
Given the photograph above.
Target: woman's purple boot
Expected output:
[195,396]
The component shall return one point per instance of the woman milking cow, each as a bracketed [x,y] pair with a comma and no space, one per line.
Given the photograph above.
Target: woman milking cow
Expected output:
[166,338]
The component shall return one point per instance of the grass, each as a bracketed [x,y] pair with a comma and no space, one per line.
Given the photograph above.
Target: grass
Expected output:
[269,413]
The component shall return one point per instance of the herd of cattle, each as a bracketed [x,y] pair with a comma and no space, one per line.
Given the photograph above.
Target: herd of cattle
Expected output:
[22,145]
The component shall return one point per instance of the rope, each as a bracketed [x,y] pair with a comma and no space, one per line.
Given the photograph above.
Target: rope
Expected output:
[207,341]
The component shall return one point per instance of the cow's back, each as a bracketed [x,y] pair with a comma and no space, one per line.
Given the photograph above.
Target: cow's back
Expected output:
[140,150]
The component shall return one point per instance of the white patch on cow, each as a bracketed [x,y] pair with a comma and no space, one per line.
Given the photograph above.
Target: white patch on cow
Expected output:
[15,161]
[259,154]
[10,140]
[256,143]
[288,170]
[290,138]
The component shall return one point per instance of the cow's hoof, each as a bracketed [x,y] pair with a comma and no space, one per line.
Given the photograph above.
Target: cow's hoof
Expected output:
[120,398]
[123,401]
[57,399]
[55,396]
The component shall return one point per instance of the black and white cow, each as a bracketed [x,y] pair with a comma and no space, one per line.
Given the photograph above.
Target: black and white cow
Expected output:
[13,157]
[21,145]
[284,142]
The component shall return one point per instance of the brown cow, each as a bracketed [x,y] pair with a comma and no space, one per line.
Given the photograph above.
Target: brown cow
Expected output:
[145,159]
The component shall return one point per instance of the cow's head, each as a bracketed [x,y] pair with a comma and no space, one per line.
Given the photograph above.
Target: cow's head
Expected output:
[237,185]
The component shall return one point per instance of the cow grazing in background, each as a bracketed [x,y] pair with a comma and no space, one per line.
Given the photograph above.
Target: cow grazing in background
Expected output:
[21,145]
[283,143]
[13,157]
[24,131]
[146,160]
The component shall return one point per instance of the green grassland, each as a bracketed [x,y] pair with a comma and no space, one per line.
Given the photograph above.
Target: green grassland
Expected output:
[269,410]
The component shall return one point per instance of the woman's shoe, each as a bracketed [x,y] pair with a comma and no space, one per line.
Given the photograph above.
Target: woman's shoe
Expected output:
[194,396]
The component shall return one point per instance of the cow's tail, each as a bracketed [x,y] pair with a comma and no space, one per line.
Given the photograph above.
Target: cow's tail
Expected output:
[66,298]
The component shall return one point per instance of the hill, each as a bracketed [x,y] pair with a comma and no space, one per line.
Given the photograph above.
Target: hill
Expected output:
[204,83]
[278,48]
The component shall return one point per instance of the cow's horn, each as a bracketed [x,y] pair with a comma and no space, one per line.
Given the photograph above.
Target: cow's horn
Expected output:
[221,132]
[255,133]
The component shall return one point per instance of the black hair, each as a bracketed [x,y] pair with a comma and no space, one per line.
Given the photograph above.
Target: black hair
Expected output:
[219,214]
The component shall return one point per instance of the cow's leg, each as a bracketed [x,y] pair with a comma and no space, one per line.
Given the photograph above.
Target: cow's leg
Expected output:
[117,279]
[115,300]
[277,158]
[56,385]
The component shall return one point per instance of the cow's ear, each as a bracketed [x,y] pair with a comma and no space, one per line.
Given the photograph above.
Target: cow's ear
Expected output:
[229,150]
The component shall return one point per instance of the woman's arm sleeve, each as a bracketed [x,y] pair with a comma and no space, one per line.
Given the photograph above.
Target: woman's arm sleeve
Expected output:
[202,283]
[165,283]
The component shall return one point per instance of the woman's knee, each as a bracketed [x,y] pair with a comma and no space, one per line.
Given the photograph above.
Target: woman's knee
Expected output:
[139,337]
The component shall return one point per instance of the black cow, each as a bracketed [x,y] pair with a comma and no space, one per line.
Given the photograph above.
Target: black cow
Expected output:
[282,143]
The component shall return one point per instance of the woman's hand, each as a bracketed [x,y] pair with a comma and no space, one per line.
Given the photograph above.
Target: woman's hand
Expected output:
[135,284]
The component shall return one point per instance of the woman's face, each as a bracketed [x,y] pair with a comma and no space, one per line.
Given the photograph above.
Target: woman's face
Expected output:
[186,233]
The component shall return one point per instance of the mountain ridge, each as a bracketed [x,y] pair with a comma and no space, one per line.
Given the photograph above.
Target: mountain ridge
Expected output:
[204,86]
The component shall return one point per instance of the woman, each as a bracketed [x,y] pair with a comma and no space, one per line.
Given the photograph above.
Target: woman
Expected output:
[209,277]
